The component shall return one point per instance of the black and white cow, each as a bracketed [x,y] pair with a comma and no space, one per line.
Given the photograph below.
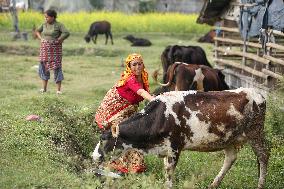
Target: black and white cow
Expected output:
[197,121]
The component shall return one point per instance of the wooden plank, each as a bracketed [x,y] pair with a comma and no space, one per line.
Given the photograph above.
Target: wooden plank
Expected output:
[272,59]
[242,54]
[278,33]
[234,30]
[243,81]
[243,4]
[275,46]
[241,66]
[240,42]
[272,74]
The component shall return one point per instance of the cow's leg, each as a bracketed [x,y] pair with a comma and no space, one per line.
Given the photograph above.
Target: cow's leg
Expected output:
[110,35]
[230,157]
[95,40]
[261,151]
[170,163]
[106,34]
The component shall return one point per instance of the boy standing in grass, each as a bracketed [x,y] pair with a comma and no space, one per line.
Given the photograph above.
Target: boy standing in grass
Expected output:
[52,34]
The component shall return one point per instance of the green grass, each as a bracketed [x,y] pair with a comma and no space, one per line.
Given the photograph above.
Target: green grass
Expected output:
[55,153]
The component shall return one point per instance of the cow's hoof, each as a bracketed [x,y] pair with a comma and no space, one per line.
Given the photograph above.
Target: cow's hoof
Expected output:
[212,186]
[168,184]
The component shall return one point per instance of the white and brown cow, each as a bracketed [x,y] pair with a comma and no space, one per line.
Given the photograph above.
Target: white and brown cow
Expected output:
[184,77]
[180,53]
[198,121]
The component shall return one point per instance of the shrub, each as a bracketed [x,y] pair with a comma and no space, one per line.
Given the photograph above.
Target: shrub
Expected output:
[147,6]
[275,113]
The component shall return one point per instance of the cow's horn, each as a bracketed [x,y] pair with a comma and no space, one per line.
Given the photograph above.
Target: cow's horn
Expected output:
[164,85]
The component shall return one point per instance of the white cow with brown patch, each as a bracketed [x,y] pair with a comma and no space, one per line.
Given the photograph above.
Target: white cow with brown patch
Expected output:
[197,121]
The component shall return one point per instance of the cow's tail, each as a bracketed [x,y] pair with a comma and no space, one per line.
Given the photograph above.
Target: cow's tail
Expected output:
[155,75]
[170,73]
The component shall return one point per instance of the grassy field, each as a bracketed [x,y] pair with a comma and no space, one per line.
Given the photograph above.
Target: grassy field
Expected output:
[55,153]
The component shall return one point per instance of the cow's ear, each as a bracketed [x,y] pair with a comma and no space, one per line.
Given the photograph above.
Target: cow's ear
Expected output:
[220,74]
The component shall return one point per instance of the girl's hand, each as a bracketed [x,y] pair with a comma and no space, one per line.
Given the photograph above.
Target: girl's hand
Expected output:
[60,40]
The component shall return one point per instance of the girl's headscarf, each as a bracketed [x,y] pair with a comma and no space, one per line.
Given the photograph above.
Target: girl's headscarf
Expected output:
[127,72]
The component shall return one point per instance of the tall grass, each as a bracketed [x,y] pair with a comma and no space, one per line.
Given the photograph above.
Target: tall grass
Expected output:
[121,22]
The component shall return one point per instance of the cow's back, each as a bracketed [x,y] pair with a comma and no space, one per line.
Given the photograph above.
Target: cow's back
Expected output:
[101,27]
[213,120]
[194,55]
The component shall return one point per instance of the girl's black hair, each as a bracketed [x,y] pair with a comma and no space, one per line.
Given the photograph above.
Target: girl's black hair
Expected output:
[51,13]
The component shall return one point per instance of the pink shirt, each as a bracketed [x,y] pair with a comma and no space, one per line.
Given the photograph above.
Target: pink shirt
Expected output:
[129,90]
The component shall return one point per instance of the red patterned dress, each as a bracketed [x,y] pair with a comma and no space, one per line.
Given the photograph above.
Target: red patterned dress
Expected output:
[118,104]
[51,48]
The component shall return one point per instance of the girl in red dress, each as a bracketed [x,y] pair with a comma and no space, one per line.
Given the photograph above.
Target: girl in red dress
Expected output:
[120,102]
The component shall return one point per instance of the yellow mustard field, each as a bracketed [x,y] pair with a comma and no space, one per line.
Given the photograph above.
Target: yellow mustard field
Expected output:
[121,22]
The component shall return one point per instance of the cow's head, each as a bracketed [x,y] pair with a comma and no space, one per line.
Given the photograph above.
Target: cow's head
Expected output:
[87,38]
[130,38]
[107,144]
[223,84]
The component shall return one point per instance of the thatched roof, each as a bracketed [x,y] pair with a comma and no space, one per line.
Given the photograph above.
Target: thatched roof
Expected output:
[212,10]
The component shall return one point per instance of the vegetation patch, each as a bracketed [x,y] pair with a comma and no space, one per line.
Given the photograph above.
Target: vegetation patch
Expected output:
[34,51]
[19,50]
[275,118]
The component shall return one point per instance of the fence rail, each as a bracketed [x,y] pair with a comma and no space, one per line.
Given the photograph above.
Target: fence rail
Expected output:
[248,61]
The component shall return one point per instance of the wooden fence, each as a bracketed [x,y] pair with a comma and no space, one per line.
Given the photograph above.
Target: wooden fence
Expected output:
[4,5]
[249,64]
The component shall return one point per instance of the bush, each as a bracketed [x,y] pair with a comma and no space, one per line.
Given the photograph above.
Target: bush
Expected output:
[97,4]
[71,128]
[275,113]
[147,6]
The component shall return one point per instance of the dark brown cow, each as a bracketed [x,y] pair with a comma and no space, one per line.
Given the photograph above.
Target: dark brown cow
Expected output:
[208,37]
[138,41]
[99,27]
[186,54]
[183,77]
[198,121]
